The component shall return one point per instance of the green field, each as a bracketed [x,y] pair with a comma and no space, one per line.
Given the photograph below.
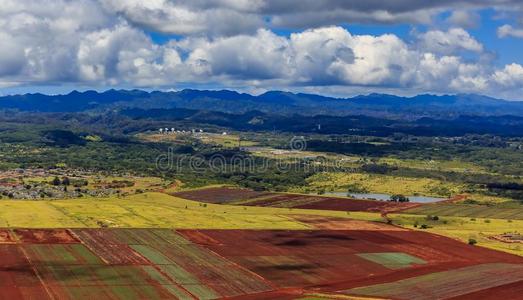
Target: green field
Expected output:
[392,260]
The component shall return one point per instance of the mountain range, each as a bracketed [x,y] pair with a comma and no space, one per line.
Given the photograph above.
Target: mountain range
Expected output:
[274,102]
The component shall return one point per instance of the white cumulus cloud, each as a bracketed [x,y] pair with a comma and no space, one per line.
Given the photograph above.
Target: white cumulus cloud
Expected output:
[231,43]
[507,30]
[447,42]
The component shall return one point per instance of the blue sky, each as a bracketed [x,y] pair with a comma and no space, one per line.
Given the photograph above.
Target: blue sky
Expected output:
[329,47]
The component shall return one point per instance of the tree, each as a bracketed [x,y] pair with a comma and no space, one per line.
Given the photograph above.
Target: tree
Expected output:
[66,181]
[56,181]
[399,198]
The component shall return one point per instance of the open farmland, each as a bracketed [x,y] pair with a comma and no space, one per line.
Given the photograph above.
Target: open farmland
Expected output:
[469,210]
[245,197]
[220,195]
[209,264]
[378,183]
[482,230]
[448,284]
[155,210]
[408,215]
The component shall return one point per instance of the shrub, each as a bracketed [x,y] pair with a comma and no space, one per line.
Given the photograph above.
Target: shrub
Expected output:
[56,181]
[472,242]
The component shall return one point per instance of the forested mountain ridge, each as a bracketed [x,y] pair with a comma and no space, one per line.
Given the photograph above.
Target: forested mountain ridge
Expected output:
[286,103]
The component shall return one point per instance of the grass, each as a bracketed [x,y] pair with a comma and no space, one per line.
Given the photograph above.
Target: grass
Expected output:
[95,181]
[463,229]
[227,141]
[157,137]
[448,165]
[373,183]
[153,210]
[508,211]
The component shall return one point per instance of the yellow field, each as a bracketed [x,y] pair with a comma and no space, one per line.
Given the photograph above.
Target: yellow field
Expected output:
[383,184]
[463,229]
[158,210]
[152,210]
[157,137]
[449,165]
[227,141]
[95,181]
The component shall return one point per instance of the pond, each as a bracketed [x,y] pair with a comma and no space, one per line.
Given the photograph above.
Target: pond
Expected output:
[385,197]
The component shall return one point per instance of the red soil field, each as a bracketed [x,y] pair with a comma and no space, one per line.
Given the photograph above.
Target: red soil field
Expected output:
[17,277]
[45,236]
[246,264]
[507,291]
[6,237]
[332,223]
[327,259]
[446,284]
[105,246]
[220,195]
[332,203]
[227,195]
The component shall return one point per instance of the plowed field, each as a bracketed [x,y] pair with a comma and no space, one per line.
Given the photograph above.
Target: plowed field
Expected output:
[251,198]
[250,264]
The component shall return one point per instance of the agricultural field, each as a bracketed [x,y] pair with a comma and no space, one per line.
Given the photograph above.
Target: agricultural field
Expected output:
[158,137]
[208,264]
[220,195]
[154,210]
[225,140]
[448,165]
[246,197]
[376,183]
[509,212]
[482,230]
[448,284]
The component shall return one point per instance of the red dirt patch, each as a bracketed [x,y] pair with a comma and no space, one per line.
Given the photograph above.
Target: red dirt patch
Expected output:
[6,237]
[507,291]
[332,223]
[17,278]
[45,236]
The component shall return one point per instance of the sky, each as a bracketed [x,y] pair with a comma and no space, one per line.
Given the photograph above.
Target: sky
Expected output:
[330,47]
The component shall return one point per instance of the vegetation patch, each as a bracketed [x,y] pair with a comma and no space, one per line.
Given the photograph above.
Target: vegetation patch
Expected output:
[447,284]
[393,260]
